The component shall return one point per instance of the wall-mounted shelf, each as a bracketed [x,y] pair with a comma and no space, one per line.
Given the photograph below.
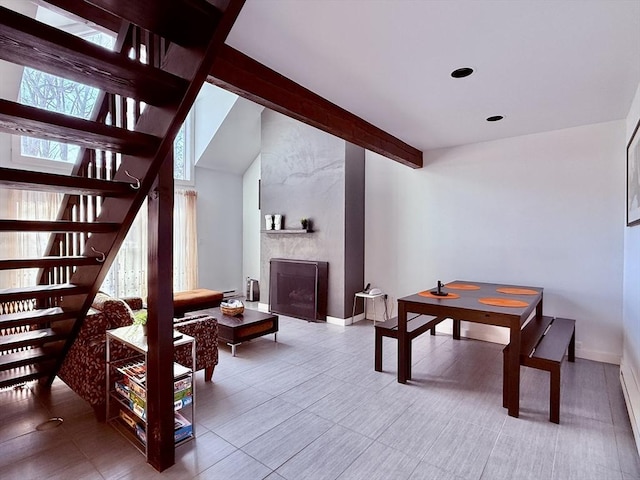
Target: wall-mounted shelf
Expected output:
[291,231]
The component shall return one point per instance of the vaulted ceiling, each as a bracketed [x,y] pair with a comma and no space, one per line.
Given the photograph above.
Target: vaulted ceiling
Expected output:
[543,65]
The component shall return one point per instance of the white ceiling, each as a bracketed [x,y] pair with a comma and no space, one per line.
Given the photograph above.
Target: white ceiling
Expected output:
[542,64]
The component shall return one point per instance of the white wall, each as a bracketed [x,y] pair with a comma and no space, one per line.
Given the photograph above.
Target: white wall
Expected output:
[540,210]
[251,219]
[209,111]
[219,230]
[631,302]
[630,366]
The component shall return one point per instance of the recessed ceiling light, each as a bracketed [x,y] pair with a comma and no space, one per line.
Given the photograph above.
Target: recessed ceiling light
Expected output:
[495,118]
[462,72]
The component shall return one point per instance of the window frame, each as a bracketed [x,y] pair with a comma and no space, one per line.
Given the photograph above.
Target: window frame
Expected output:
[36,163]
[189,152]
[60,166]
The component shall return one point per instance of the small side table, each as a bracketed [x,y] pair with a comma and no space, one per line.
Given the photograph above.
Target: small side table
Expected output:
[365,297]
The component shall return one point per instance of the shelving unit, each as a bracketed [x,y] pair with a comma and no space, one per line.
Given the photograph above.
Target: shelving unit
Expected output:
[126,388]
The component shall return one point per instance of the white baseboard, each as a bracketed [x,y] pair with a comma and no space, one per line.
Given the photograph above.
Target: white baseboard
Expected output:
[597,356]
[631,398]
[488,333]
[344,321]
[264,307]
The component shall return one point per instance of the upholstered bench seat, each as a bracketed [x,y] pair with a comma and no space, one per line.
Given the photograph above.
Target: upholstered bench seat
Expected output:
[197,299]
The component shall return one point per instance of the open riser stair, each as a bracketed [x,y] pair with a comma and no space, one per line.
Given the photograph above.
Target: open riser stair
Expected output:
[162,55]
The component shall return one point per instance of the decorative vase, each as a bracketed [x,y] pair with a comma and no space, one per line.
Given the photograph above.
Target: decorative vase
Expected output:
[268,222]
[277,222]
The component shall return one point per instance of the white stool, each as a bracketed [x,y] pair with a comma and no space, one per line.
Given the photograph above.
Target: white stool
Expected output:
[365,297]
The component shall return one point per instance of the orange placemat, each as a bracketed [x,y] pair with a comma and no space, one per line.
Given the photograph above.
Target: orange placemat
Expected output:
[502,302]
[428,294]
[462,286]
[516,291]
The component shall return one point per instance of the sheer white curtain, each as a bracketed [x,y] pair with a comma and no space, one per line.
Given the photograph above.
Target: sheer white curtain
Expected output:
[25,205]
[185,241]
[128,274]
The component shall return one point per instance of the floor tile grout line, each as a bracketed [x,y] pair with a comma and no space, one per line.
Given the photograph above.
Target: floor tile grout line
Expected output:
[588,424]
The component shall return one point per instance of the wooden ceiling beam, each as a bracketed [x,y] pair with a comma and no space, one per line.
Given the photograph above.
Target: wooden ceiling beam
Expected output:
[244,76]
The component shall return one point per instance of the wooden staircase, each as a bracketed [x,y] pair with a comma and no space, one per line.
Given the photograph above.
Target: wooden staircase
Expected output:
[164,51]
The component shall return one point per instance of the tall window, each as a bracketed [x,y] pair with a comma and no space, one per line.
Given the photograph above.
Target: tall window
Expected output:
[49,92]
[25,205]
[128,273]
[55,94]
[39,89]
[183,153]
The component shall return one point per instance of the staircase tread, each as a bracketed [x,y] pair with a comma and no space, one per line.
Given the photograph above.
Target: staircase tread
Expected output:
[69,184]
[29,314]
[18,119]
[57,226]
[42,288]
[185,22]
[42,262]
[32,337]
[49,49]
[36,317]
[24,357]
[41,291]
[18,375]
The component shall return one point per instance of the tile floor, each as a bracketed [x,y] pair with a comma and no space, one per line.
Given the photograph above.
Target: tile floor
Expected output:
[311,407]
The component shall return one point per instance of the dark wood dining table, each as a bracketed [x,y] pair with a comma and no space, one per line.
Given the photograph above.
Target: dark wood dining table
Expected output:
[471,301]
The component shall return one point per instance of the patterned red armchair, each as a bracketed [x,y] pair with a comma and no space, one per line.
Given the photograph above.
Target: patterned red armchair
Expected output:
[204,328]
[84,367]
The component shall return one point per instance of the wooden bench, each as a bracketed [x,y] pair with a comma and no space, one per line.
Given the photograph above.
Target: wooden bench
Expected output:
[543,344]
[192,300]
[416,326]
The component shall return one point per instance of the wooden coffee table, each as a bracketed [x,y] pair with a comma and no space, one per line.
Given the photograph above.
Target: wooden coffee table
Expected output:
[250,324]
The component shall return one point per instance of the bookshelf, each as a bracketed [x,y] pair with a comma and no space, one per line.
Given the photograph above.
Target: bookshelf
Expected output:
[126,387]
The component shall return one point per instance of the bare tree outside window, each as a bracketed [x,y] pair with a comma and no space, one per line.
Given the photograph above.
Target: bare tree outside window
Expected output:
[180,155]
[56,94]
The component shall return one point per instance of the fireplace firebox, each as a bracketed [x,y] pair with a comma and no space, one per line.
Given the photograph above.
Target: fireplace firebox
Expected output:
[298,288]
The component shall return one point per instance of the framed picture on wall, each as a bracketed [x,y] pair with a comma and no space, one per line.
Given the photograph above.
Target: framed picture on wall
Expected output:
[633,178]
